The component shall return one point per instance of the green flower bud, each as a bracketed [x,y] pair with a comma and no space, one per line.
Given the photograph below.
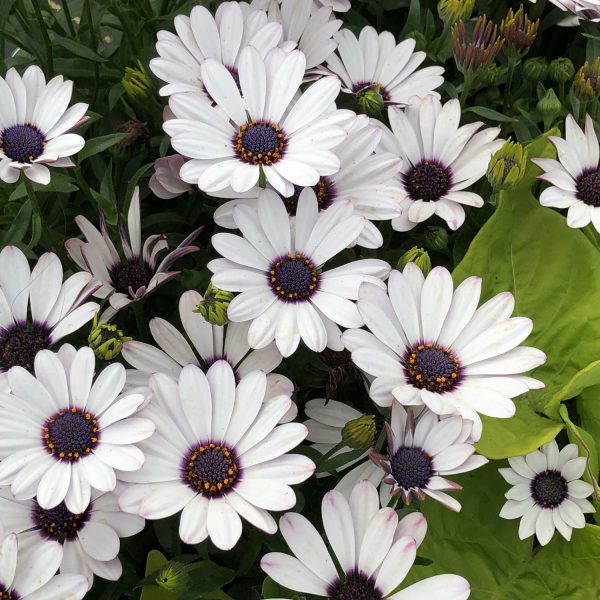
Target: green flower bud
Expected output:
[370,102]
[507,166]
[489,74]
[436,238]
[173,578]
[549,105]
[587,81]
[417,255]
[106,340]
[360,432]
[535,69]
[452,11]
[214,305]
[561,70]
[136,82]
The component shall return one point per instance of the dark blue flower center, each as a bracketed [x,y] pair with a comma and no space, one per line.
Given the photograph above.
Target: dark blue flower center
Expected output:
[431,367]
[355,586]
[324,191]
[18,346]
[293,277]
[131,274]
[70,434]
[411,467]
[6,595]
[22,143]
[588,188]
[549,489]
[210,469]
[59,523]
[427,180]
[260,143]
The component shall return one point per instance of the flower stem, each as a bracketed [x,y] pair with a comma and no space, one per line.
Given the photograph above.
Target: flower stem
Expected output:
[509,80]
[69,19]
[469,76]
[45,36]
[35,207]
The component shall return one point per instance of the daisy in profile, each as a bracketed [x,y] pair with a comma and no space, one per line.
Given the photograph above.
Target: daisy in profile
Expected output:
[165,181]
[128,277]
[37,308]
[439,160]
[374,68]
[548,493]
[336,5]
[64,434]
[373,548]
[429,344]
[35,125]
[575,176]
[201,36]
[31,575]
[89,541]
[218,453]
[266,131]
[284,291]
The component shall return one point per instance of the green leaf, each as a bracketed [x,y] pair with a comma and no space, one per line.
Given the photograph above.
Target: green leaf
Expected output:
[155,561]
[586,377]
[18,227]
[96,145]
[588,408]
[78,49]
[488,113]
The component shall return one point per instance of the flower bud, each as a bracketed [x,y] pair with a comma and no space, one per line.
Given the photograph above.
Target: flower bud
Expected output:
[106,340]
[173,578]
[587,81]
[535,69]
[561,70]
[370,101]
[507,166]
[360,432]
[214,305]
[136,83]
[436,238]
[452,11]
[417,255]
[489,74]
[481,48]
[549,105]
[519,31]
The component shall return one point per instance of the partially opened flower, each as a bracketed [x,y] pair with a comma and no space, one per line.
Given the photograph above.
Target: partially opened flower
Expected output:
[218,453]
[201,36]
[266,131]
[64,434]
[374,551]
[35,121]
[88,541]
[430,344]
[129,276]
[37,308]
[31,575]
[375,63]
[548,493]
[575,176]
[284,291]
[165,181]
[439,160]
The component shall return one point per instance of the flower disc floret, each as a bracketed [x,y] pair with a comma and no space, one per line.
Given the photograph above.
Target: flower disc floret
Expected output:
[18,346]
[131,274]
[59,523]
[411,467]
[293,277]
[71,434]
[22,143]
[432,367]
[549,489]
[260,143]
[428,181]
[211,469]
[588,188]
[355,587]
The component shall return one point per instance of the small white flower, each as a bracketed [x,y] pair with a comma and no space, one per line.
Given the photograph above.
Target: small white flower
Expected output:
[278,270]
[547,492]
[165,181]
[575,176]
[88,541]
[439,160]
[35,122]
[63,434]
[430,344]
[374,550]
[218,453]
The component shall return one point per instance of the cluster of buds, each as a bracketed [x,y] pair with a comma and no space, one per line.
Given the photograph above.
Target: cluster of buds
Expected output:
[418,256]
[480,49]
[507,166]
[453,11]
[586,84]
[213,307]
[106,340]
[519,31]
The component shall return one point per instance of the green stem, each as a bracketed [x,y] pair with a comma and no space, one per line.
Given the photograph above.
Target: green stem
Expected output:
[65,5]
[35,207]
[509,80]
[468,83]
[45,35]
[330,453]
[94,47]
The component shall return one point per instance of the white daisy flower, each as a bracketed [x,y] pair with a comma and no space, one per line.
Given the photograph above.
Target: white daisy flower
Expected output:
[374,62]
[165,181]
[56,309]
[31,576]
[218,453]
[267,131]
[588,10]
[335,5]
[35,121]
[575,176]
[136,275]
[61,436]
[547,492]
[88,542]
[439,160]
[374,551]
[429,344]
[366,179]
[285,292]
[201,36]
[209,343]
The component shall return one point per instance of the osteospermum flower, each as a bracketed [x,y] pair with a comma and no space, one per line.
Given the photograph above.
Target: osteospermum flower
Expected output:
[218,454]
[374,550]
[31,575]
[439,160]
[547,492]
[266,131]
[88,542]
[285,292]
[201,36]
[374,63]
[429,344]
[35,122]
[165,181]
[575,176]
[127,279]
[56,309]
[63,434]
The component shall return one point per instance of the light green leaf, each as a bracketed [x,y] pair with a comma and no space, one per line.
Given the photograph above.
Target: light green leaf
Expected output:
[97,145]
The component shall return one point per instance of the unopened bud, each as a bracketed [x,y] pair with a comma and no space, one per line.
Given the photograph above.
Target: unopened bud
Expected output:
[436,238]
[173,578]
[507,166]
[136,83]
[452,11]
[370,102]
[418,256]
[549,105]
[535,69]
[214,305]
[561,70]
[360,432]
[106,340]
[587,81]
[489,74]
[519,31]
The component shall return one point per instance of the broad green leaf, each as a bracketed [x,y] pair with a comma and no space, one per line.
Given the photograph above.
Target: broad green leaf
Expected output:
[99,144]
[588,376]
[154,561]
[588,408]
[488,113]
[78,49]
